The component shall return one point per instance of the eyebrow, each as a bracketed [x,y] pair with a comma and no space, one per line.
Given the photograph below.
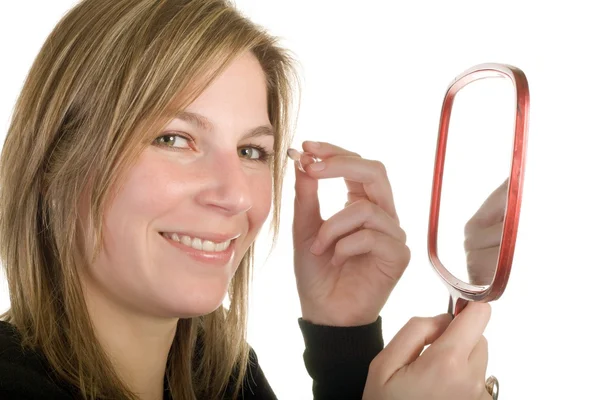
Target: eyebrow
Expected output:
[201,122]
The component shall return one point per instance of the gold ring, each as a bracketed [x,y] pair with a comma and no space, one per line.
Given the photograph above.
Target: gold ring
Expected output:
[492,386]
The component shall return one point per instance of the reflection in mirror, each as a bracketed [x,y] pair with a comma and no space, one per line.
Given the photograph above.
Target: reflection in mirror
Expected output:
[474,185]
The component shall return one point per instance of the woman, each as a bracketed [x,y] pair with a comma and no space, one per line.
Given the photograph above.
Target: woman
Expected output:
[143,157]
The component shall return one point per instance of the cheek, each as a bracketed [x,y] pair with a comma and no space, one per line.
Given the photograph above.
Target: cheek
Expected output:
[262,197]
[139,196]
[136,205]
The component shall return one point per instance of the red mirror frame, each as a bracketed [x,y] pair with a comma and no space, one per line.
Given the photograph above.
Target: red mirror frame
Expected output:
[461,292]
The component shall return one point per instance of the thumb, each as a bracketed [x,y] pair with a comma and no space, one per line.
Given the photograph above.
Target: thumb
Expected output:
[409,343]
[307,215]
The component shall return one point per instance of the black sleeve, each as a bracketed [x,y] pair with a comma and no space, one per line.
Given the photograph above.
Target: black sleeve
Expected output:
[338,358]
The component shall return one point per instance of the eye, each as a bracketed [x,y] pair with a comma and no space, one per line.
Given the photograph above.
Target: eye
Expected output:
[252,152]
[173,140]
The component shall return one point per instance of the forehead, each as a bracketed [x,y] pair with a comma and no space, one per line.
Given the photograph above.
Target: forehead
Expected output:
[239,92]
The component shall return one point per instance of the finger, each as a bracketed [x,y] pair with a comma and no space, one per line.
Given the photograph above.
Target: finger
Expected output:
[364,179]
[390,251]
[324,150]
[485,395]
[478,360]
[406,346]
[301,159]
[481,265]
[359,215]
[493,208]
[466,329]
[307,215]
[483,238]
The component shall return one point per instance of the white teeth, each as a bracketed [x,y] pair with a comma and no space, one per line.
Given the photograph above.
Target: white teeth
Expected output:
[198,244]
[207,245]
[222,246]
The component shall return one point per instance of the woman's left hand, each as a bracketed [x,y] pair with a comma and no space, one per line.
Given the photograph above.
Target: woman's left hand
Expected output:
[346,266]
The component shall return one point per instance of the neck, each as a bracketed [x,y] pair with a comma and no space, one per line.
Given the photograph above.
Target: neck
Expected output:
[137,345]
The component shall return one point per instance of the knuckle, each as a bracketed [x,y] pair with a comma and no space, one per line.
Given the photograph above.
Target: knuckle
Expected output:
[325,232]
[340,248]
[469,227]
[479,387]
[379,167]
[475,388]
[416,323]
[403,236]
[467,243]
[366,207]
[368,237]
[471,257]
[448,364]
[407,254]
[376,364]
[483,342]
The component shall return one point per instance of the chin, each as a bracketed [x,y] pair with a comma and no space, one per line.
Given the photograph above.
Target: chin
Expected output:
[190,290]
[196,301]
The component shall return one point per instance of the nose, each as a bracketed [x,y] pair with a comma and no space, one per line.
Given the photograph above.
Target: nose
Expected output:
[228,189]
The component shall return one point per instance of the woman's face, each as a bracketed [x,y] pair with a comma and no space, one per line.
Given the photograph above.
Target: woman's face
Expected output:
[192,204]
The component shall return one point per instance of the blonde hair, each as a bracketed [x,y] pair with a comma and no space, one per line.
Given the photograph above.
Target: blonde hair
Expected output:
[110,76]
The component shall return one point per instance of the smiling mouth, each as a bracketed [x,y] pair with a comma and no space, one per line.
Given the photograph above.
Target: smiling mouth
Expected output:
[204,245]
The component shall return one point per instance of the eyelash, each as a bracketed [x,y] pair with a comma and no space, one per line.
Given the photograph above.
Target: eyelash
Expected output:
[265,155]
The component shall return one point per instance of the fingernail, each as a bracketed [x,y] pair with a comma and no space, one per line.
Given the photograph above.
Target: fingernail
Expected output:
[315,246]
[302,159]
[315,145]
[293,154]
[297,157]
[320,166]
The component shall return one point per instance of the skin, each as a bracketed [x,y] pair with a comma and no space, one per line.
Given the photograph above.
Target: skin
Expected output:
[210,180]
[451,368]
[483,236]
[346,266]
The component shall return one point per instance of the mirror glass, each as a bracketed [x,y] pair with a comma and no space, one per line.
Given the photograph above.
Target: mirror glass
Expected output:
[474,186]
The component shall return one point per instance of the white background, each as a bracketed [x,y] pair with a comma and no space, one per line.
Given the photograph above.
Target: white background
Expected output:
[374,75]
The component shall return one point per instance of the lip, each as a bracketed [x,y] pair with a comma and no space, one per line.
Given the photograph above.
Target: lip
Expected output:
[217,259]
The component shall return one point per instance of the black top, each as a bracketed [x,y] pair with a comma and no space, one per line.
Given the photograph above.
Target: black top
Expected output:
[336,358]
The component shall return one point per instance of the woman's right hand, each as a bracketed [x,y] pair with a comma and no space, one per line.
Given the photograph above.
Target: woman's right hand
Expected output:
[453,367]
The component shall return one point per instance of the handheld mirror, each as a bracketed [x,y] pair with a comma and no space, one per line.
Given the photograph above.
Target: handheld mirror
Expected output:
[477,183]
